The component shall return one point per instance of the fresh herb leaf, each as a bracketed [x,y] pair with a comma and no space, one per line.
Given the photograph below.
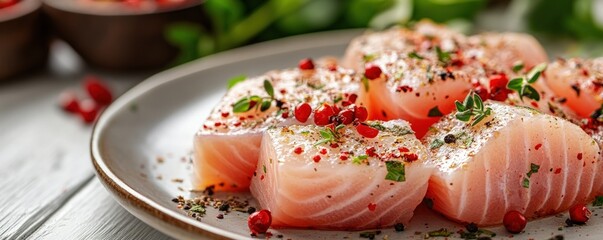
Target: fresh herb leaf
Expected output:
[235,80]
[264,168]
[526,180]
[396,129]
[533,169]
[598,201]
[530,92]
[487,232]
[377,125]
[534,74]
[328,135]
[442,232]
[358,159]
[197,209]
[269,89]
[316,86]
[435,112]
[369,57]
[459,106]
[468,102]
[436,143]
[443,57]
[265,105]
[415,55]
[395,171]
[518,66]
[515,84]
[522,84]
[472,109]
[242,105]
[525,183]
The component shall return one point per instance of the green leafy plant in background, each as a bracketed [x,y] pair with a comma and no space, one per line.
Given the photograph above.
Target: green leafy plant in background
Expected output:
[238,22]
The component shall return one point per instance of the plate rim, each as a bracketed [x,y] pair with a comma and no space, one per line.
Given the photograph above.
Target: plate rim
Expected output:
[122,192]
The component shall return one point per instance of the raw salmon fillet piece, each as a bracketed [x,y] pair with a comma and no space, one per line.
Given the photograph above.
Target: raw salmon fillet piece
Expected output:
[398,39]
[507,49]
[228,144]
[579,81]
[334,192]
[428,67]
[417,90]
[515,159]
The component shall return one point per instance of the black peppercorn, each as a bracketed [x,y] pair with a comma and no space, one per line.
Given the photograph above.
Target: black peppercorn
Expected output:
[449,139]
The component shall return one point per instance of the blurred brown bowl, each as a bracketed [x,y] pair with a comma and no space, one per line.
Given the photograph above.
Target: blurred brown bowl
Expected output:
[23,41]
[117,36]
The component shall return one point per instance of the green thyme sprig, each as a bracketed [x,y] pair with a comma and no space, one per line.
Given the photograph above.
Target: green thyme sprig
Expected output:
[329,135]
[259,103]
[395,171]
[472,109]
[522,85]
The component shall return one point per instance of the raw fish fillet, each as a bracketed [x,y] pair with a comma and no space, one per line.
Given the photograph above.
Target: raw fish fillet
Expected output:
[335,192]
[579,81]
[428,67]
[397,39]
[484,172]
[228,145]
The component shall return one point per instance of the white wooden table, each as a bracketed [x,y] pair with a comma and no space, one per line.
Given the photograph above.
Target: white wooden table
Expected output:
[47,185]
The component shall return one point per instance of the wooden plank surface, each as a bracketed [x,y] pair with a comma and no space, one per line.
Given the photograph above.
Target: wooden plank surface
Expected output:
[93,214]
[46,179]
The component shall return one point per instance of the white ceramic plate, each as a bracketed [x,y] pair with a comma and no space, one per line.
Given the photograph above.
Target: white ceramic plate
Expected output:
[142,142]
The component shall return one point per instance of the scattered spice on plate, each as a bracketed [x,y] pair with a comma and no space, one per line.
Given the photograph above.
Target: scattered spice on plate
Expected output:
[196,207]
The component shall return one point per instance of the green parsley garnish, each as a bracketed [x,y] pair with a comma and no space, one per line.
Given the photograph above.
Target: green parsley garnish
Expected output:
[443,57]
[395,171]
[359,159]
[262,103]
[522,84]
[472,109]
[526,180]
[329,135]
[315,86]
[434,112]
[235,80]
[369,57]
[436,143]
[395,130]
[414,54]
[264,168]
[197,209]
[442,232]
[598,201]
